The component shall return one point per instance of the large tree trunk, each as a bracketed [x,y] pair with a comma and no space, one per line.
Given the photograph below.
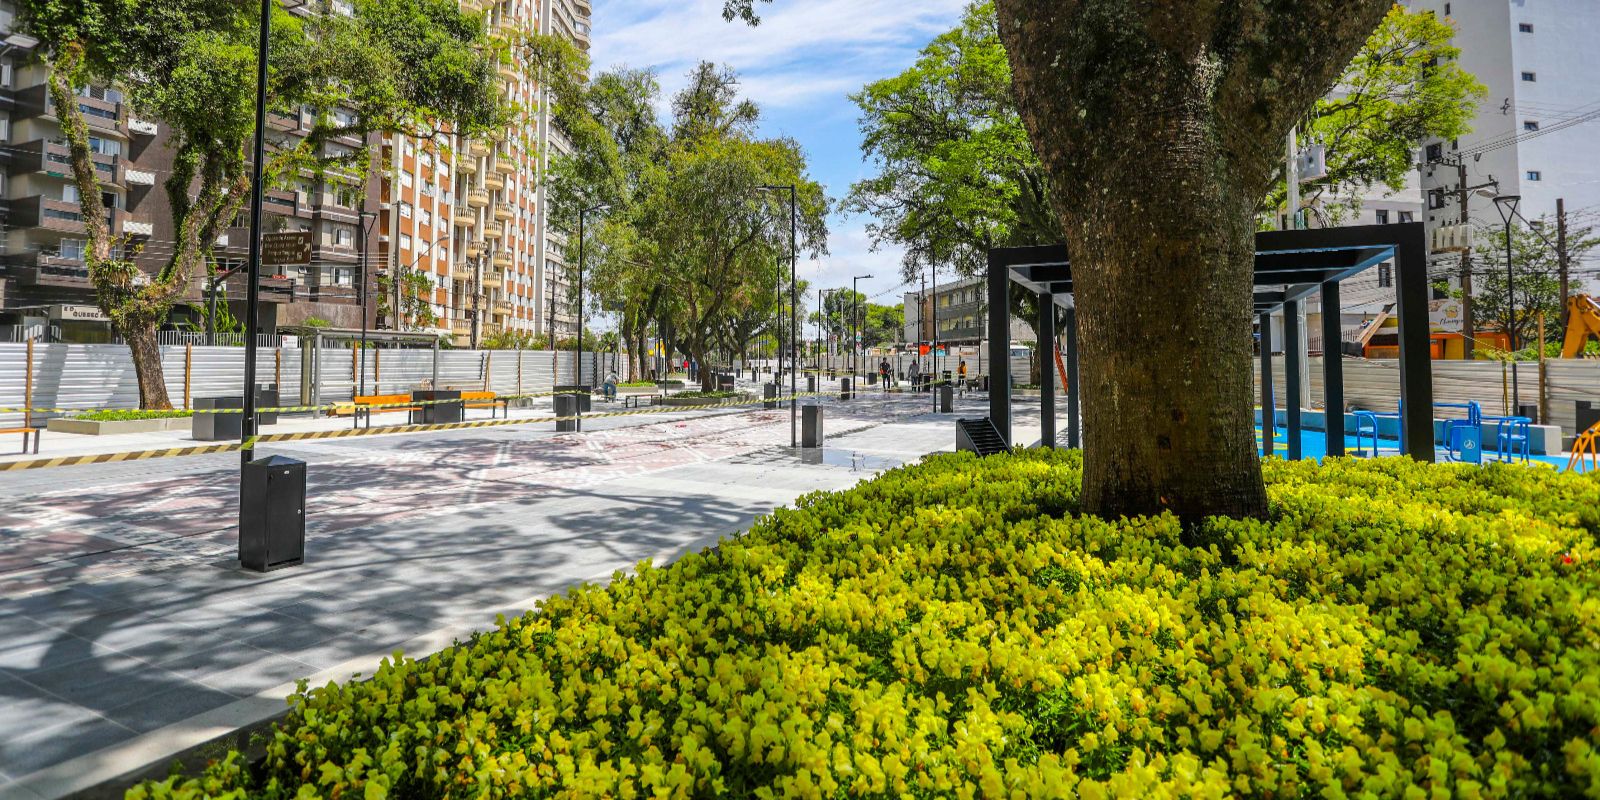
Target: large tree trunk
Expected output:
[1159,124]
[147,367]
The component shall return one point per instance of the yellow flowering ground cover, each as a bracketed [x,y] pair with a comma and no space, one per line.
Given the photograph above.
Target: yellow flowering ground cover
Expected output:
[954,629]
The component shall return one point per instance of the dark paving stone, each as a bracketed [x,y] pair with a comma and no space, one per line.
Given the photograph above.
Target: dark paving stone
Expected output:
[160,710]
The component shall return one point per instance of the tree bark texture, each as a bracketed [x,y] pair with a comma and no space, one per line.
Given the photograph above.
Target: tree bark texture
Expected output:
[1160,124]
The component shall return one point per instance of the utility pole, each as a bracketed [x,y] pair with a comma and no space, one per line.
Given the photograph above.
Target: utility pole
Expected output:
[1561,256]
[1468,325]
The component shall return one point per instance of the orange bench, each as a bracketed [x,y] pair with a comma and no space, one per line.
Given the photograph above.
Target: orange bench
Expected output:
[365,405]
[25,431]
[487,400]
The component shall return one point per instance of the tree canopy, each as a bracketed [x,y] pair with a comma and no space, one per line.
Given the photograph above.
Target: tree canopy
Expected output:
[414,66]
[689,240]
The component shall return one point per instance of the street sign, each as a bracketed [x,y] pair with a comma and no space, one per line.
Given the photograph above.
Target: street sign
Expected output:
[286,249]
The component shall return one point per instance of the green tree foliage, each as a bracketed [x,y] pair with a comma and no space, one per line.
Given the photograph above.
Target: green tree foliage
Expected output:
[411,66]
[1406,85]
[1536,274]
[878,324]
[689,241]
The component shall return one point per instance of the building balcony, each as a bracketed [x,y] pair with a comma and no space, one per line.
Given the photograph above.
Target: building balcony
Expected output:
[464,216]
[477,198]
[477,148]
[46,268]
[493,279]
[504,309]
[462,272]
[504,212]
[334,253]
[51,214]
[472,249]
[505,164]
[461,327]
[491,232]
[137,227]
[494,181]
[283,123]
[139,177]
[141,127]
[467,166]
[55,160]
[503,260]
[509,71]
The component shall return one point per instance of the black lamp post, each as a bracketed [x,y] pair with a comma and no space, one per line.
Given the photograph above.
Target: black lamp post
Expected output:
[856,325]
[1506,204]
[362,230]
[252,297]
[794,317]
[578,356]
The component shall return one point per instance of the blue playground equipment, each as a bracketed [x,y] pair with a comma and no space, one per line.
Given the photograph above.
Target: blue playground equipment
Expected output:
[1463,438]
[1511,437]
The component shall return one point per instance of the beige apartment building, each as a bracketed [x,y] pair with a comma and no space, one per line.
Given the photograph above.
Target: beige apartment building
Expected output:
[466,216]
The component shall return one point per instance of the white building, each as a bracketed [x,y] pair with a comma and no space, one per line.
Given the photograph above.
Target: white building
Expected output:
[1538,131]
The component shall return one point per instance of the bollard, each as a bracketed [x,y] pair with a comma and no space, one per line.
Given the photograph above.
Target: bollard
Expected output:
[769,396]
[272,514]
[844,388]
[217,427]
[811,383]
[946,399]
[566,406]
[811,426]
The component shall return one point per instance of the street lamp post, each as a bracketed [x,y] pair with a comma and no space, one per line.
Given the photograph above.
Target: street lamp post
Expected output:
[856,325]
[578,356]
[794,300]
[361,260]
[1506,204]
[252,301]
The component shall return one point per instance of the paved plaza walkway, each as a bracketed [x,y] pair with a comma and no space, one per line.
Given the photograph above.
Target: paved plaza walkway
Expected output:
[128,633]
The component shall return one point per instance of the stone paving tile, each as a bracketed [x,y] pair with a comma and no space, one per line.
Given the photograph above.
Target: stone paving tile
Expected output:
[410,534]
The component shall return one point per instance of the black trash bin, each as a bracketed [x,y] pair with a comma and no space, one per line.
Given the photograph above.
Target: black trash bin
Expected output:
[584,393]
[811,426]
[272,514]
[267,397]
[811,383]
[769,396]
[566,406]
[844,388]
[436,413]
[946,398]
[208,427]
[725,382]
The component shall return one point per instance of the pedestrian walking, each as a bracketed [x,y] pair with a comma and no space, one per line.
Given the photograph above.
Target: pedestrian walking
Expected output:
[883,374]
[961,375]
[914,375]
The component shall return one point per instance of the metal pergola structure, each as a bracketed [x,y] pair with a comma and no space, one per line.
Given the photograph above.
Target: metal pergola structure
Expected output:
[1289,267]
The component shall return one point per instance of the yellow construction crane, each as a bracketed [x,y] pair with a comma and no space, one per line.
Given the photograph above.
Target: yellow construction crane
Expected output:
[1583,321]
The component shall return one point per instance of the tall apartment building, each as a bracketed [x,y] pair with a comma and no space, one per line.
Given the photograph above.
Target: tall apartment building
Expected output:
[467,216]
[1537,133]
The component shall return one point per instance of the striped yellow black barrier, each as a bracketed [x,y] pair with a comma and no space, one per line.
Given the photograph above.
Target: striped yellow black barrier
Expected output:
[343,433]
[272,410]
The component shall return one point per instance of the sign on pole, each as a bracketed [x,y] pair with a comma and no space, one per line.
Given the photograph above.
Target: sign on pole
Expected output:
[286,249]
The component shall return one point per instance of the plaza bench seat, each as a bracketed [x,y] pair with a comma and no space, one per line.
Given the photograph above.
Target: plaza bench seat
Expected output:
[365,405]
[487,400]
[26,432]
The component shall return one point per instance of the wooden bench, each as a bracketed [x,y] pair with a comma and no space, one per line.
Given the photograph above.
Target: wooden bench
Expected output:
[25,431]
[632,400]
[487,400]
[363,406]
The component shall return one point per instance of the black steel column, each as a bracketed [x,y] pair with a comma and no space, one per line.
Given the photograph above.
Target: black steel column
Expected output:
[1269,409]
[1047,373]
[999,320]
[1291,374]
[252,287]
[1074,430]
[1416,360]
[1332,369]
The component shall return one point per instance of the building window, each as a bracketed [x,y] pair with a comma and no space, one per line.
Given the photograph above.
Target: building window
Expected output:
[71,248]
[1535,175]
[1529,77]
[1383,216]
[1530,125]
[1406,216]
[1385,276]
[405,241]
[343,237]
[1435,152]
[1525,27]
[405,210]
[405,178]
[425,217]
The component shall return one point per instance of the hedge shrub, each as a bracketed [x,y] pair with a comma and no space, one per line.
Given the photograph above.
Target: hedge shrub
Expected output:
[955,629]
[126,414]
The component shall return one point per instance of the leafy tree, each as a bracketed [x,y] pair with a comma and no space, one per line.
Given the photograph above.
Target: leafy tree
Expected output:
[1535,272]
[1405,85]
[688,242]
[392,65]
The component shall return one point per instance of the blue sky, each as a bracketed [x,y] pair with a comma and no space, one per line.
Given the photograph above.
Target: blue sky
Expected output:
[799,65]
